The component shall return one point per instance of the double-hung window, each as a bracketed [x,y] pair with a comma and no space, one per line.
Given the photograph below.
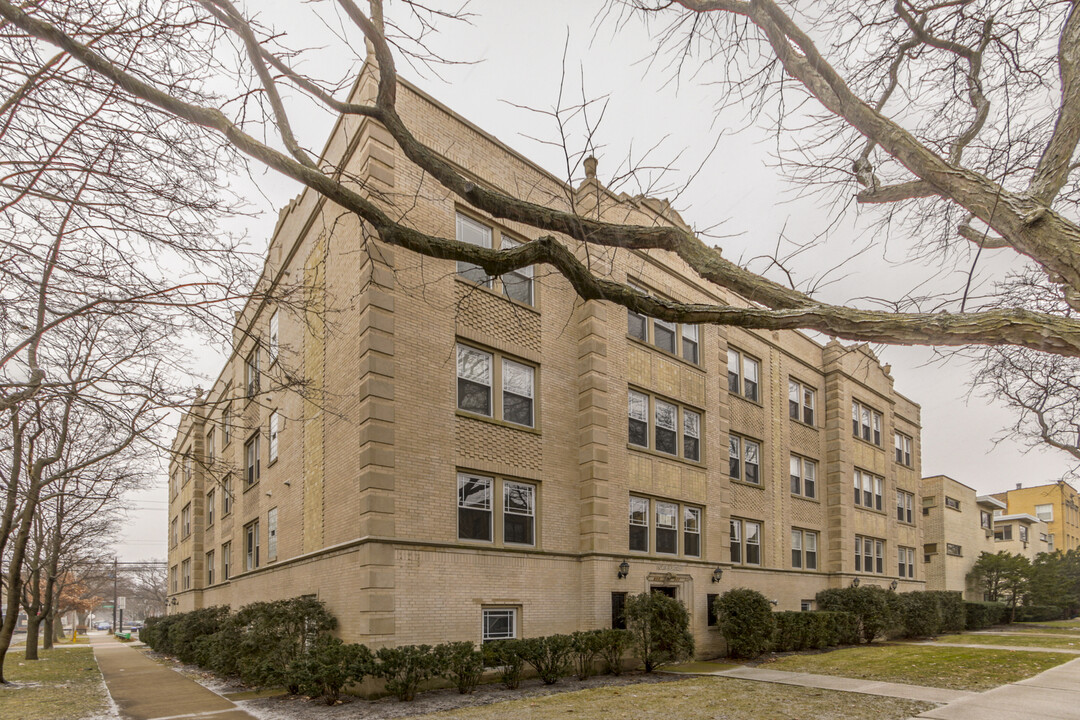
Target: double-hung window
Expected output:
[803,477]
[226,495]
[745,542]
[185,520]
[804,549]
[187,467]
[1003,532]
[272,450]
[690,343]
[210,568]
[185,571]
[1045,512]
[869,490]
[905,507]
[516,284]
[476,509]
[251,545]
[477,384]
[474,233]
[902,446]
[251,372]
[865,423]
[678,339]
[801,401]
[869,555]
[666,427]
[1023,534]
[906,562]
[664,530]
[986,520]
[211,450]
[744,374]
[226,560]
[210,500]
[744,459]
[251,461]
[226,424]
[273,344]
[271,535]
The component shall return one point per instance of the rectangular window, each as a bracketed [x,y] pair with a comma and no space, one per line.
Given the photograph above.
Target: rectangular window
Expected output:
[639,524]
[664,335]
[474,507]
[667,529]
[906,562]
[273,343]
[187,467]
[804,544]
[251,372]
[1023,534]
[986,520]
[869,490]
[251,461]
[865,423]
[474,372]
[692,532]
[226,561]
[665,417]
[226,424]
[803,475]
[711,618]
[801,401]
[519,513]
[474,233]
[210,568]
[691,435]
[674,338]
[210,447]
[185,520]
[175,534]
[903,449]
[690,343]
[251,545]
[744,459]
[638,410]
[499,624]
[226,495]
[952,503]
[869,555]
[273,449]
[905,507]
[517,284]
[618,604]
[743,374]
[210,501]
[1045,512]
[271,535]
[745,542]
[517,387]
[951,549]
[665,426]
[174,575]
[637,325]
[806,605]
[185,571]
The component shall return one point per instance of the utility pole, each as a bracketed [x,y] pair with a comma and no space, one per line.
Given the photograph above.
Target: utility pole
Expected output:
[115,594]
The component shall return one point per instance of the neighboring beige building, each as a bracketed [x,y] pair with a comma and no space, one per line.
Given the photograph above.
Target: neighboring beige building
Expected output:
[1056,504]
[474,458]
[957,529]
[1021,534]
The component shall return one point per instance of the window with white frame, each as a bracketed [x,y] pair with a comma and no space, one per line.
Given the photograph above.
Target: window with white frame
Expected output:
[226,424]
[477,499]
[185,572]
[272,449]
[174,576]
[210,568]
[905,507]
[906,562]
[865,423]
[211,448]
[174,533]
[1023,533]
[1003,532]
[690,343]
[185,520]
[803,477]
[986,520]
[869,490]
[954,550]
[744,373]
[744,459]
[804,549]
[869,555]
[251,461]
[498,624]
[902,446]
[251,372]
[474,233]
[477,384]
[226,560]
[666,426]
[273,342]
[271,535]
[806,605]
[1045,512]
[517,284]
[952,503]
[745,542]
[226,494]
[801,401]
[187,466]
[251,545]
[210,500]
[664,532]
[681,339]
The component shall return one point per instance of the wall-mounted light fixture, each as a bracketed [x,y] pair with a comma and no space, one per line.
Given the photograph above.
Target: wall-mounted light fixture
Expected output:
[855,582]
[717,574]
[624,569]
[893,585]
[774,603]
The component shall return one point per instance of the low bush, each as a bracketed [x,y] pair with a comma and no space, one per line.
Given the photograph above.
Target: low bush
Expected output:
[462,663]
[870,606]
[404,668]
[584,647]
[508,656]
[745,618]
[274,636]
[953,616]
[549,656]
[916,614]
[1038,613]
[979,615]
[328,665]
[659,628]
[813,630]
[613,646]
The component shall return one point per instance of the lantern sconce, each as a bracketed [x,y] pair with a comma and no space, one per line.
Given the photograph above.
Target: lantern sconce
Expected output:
[624,569]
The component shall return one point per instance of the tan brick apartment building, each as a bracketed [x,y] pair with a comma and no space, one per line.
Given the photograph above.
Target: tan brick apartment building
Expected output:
[479,460]
[1055,504]
[958,526]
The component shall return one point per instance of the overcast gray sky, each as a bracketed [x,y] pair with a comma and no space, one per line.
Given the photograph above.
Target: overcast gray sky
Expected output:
[514,52]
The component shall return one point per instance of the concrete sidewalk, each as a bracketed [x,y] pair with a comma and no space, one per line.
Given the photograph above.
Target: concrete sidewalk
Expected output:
[1024,648]
[145,690]
[1051,695]
[844,684]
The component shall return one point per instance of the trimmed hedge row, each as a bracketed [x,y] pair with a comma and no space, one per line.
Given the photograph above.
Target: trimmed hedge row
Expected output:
[979,615]
[1039,613]
[813,630]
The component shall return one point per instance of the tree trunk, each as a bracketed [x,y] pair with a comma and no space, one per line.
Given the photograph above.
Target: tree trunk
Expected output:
[47,632]
[33,621]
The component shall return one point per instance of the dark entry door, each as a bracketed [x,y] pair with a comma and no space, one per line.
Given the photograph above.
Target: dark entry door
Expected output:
[664,589]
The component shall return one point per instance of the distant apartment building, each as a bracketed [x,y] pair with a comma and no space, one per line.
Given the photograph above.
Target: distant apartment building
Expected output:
[471,458]
[957,529]
[1055,504]
[1021,534]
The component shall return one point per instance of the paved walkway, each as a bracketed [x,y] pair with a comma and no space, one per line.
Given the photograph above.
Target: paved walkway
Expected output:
[845,684]
[146,690]
[1051,695]
[1028,648]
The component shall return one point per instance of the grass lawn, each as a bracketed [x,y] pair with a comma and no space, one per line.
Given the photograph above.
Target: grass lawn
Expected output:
[1045,640]
[64,684]
[694,699]
[699,667]
[944,667]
